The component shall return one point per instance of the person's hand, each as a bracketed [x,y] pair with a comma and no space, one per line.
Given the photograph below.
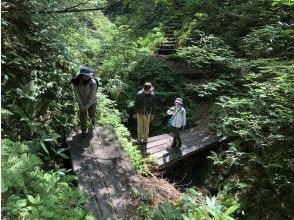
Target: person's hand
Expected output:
[135,116]
[151,117]
[172,108]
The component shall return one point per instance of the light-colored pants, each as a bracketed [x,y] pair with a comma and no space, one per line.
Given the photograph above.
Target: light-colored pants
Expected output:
[84,114]
[143,122]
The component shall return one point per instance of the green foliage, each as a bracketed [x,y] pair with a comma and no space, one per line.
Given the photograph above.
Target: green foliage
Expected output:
[38,62]
[285,2]
[232,20]
[207,53]
[270,41]
[192,206]
[259,124]
[30,193]
[41,52]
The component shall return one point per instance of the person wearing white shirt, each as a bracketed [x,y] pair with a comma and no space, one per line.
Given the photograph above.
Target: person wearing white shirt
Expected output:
[178,121]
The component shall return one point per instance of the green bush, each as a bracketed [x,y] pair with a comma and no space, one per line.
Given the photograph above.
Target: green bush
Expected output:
[109,115]
[269,41]
[259,125]
[30,193]
[192,206]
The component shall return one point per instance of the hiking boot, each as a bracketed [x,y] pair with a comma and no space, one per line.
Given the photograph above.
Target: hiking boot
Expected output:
[173,145]
[179,145]
[84,133]
[93,122]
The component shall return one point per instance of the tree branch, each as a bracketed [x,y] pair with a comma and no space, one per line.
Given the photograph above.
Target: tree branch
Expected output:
[72,9]
[69,11]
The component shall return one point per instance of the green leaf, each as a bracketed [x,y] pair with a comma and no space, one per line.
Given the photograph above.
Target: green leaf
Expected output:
[44,147]
[231,210]
[32,200]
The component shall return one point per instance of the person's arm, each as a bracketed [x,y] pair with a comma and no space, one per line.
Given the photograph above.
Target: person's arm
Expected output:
[136,106]
[153,107]
[184,118]
[171,110]
[92,96]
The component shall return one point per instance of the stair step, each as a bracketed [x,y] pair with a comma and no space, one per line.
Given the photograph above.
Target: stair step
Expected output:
[169,42]
[170,38]
[168,45]
[169,32]
[173,25]
[173,28]
[166,52]
[167,48]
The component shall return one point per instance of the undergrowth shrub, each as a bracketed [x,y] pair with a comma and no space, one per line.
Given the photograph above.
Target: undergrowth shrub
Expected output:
[259,126]
[28,192]
[109,115]
[192,206]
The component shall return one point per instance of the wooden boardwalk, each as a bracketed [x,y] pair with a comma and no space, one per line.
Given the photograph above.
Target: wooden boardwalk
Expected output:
[104,173]
[193,141]
[106,176]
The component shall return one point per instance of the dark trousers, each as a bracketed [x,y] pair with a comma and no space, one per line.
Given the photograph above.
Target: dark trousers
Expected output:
[177,139]
[84,115]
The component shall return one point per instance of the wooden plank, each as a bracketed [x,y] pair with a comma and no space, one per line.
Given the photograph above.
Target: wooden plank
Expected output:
[104,173]
[99,189]
[155,144]
[161,147]
[96,186]
[84,181]
[185,151]
[158,137]
[118,187]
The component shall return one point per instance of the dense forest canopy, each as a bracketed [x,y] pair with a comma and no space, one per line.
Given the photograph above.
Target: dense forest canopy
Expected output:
[237,55]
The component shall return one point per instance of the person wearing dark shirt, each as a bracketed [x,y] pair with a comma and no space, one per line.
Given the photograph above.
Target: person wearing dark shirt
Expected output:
[144,110]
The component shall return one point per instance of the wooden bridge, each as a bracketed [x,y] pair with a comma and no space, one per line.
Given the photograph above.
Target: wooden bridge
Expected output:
[193,141]
[106,176]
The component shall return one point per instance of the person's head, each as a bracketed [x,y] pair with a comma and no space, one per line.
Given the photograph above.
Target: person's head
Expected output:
[178,102]
[85,73]
[148,88]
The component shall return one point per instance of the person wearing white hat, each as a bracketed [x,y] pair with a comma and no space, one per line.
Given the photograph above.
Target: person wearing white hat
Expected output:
[85,88]
[178,121]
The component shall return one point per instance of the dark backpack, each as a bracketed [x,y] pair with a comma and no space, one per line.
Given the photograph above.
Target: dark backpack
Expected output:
[97,81]
[75,81]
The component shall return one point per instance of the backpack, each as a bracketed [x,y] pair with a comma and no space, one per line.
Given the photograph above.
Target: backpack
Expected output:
[97,81]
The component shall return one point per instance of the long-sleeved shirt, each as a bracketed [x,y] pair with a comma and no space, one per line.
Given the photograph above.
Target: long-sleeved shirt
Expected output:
[86,94]
[144,103]
[179,118]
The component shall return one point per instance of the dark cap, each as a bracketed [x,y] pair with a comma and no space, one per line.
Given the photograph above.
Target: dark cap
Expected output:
[86,70]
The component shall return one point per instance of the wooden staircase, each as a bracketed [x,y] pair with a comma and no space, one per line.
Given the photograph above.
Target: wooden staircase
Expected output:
[169,44]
